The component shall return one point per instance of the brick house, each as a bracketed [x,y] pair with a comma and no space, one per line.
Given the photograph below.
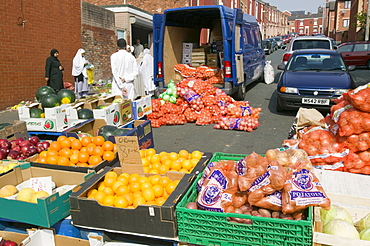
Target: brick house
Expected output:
[306,24]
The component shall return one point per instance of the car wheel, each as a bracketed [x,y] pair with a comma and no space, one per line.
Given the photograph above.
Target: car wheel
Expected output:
[368,64]
[278,107]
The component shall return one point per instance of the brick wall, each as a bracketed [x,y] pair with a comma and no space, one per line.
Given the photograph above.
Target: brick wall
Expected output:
[98,38]
[24,49]
[154,6]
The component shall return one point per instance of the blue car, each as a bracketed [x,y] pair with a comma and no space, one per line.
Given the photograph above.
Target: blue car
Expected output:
[311,79]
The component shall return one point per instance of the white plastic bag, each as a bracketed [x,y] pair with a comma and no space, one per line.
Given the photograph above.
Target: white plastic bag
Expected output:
[269,73]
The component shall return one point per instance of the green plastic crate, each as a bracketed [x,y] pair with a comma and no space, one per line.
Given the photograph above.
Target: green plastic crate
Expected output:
[212,228]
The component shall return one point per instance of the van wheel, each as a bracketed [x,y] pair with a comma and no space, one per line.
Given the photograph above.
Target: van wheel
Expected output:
[240,95]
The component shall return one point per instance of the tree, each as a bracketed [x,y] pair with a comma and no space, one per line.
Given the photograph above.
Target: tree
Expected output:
[361,22]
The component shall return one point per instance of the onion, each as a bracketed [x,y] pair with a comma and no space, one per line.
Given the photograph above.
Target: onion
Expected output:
[192,205]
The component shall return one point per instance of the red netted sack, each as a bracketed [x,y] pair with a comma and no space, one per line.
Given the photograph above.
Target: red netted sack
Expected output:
[209,100]
[203,88]
[170,108]
[215,111]
[360,97]
[355,143]
[190,115]
[351,121]
[356,162]
[322,147]
[156,123]
[247,123]
[204,117]
[185,70]
[154,115]
[156,104]
[174,119]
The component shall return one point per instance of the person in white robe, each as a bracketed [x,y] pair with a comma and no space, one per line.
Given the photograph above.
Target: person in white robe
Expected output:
[146,70]
[79,73]
[124,69]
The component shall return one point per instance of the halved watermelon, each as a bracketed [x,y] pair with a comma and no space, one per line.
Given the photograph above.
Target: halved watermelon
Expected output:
[106,131]
[42,91]
[50,101]
[66,96]
[85,113]
[37,113]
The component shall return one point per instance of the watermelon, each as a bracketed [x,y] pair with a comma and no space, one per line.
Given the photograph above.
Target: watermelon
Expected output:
[50,101]
[85,113]
[83,134]
[101,106]
[42,91]
[37,113]
[120,131]
[107,131]
[66,96]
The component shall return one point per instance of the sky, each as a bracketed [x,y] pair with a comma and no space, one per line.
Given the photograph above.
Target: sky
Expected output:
[295,5]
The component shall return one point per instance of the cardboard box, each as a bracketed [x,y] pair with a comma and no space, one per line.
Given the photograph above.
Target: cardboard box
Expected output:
[5,163]
[111,114]
[47,211]
[212,60]
[186,61]
[125,108]
[142,107]
[55,118]
[143,130]
[186,53]
[189,45]
[147,220]
[17,130]
[348,190]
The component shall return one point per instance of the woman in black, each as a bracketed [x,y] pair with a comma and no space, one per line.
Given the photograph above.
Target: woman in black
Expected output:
[53,71]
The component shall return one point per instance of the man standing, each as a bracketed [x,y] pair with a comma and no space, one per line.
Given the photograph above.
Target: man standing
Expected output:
[125,70]
[138,48]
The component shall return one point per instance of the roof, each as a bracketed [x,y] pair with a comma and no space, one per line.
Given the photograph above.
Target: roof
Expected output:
[305,16]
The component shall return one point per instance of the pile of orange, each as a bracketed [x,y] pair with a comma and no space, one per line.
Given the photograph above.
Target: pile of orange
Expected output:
[84,152]
[183,161]
[130,190]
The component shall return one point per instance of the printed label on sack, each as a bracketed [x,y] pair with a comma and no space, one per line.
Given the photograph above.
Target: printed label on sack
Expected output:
[219,177]
[360,88]
[241,167]
[212,195]
[246,111]
[234,123]
[304,190]
[190,96]
[275,198]
[260,182]
[338,112]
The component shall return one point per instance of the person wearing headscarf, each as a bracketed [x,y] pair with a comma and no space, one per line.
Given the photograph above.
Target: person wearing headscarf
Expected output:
[138,48]
[53,71]
[79,72]
[146,70]
[124,70]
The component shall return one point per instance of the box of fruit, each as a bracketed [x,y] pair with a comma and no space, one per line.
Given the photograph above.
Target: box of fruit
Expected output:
[37,196]
[125,107]
[348,220]
[141,128]
[142,106]
[81,154]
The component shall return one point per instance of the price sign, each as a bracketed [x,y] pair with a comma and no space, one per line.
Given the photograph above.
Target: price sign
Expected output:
[42,183]
[128,150]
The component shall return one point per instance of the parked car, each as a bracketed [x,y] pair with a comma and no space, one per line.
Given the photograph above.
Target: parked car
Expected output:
[267,46]
[356,53]
[279,41]
[274,44]
[312,78]
[307,42]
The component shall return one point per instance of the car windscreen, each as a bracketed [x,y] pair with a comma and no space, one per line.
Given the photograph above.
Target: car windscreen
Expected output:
[316,62]
[311,44]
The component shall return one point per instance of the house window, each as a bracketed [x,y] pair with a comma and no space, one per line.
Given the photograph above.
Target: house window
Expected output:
[347,4]
[315,22]
[121,34]
[345,23]
[301,23]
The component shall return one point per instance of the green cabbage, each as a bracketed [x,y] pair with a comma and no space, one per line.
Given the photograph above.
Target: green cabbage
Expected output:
[364,222]
[341,228]
[335,212]
[365,234]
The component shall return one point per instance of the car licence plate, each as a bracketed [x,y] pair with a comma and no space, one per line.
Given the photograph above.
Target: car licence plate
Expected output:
[316,101]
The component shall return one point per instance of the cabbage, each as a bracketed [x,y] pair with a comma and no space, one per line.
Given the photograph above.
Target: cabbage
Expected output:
[170,91]
[364,222]
[166,97]
[341,228]
[172,99]
[365,234]
[335,212]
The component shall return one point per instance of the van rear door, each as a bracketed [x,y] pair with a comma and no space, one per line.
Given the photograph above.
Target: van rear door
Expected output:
[237,47]
[158,49]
